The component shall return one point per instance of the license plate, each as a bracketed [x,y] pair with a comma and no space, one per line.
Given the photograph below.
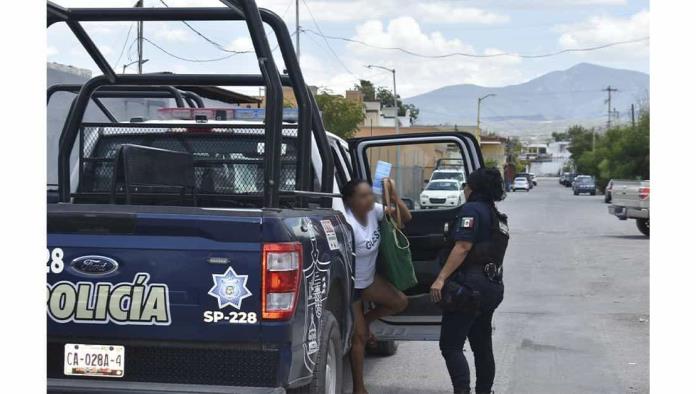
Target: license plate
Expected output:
[94,360]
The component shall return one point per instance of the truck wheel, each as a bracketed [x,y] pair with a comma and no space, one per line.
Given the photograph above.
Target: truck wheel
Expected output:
[383,348]
[643,226]
[328,372]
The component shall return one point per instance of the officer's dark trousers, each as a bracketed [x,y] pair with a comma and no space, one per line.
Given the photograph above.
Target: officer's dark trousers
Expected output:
[458,326]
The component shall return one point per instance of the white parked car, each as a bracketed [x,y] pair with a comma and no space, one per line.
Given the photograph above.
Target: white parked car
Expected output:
[448,174]
[442,193]
[520,183]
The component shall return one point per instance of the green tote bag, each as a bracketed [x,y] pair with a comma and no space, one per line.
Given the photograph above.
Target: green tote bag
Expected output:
[394,261]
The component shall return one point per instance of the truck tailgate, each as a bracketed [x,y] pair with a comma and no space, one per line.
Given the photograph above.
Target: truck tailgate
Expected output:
[161,273]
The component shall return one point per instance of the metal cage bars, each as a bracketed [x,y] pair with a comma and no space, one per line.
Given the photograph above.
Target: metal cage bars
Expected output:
[308,120]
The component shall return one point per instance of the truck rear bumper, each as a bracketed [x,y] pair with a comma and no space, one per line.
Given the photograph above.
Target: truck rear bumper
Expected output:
[56,386]
[624,213]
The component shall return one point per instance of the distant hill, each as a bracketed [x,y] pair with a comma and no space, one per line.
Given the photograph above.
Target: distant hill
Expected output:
[545,103]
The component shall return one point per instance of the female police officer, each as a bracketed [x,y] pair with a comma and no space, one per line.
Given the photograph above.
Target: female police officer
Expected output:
[472,274]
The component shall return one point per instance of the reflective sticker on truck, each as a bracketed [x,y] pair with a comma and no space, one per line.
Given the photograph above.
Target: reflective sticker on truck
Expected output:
[316,281]
[127,303]
[330,234]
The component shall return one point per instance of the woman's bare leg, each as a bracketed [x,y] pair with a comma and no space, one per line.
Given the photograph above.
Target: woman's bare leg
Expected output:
[387,298]
[357,351]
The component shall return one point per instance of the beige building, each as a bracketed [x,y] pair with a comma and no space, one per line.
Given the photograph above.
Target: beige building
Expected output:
[492,147]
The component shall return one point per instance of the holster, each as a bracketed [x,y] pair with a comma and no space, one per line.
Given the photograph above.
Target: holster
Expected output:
[457,297]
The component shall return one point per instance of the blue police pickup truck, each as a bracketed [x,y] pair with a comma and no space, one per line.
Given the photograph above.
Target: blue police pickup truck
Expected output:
[200,255]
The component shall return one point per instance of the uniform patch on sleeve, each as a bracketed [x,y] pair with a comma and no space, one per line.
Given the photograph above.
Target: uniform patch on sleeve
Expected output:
[467,223]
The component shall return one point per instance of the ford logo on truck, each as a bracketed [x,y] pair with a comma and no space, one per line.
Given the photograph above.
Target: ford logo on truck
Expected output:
[94,265]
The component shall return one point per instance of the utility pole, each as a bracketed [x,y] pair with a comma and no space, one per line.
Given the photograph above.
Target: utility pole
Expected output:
[139,4]
[609,89]
[396,124]
[297,29]
[478,115]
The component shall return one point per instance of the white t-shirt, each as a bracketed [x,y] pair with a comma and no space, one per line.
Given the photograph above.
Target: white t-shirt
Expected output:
[366,245]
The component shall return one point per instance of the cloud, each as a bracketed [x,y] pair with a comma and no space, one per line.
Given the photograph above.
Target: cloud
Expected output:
[434,11]
[51,51]
[80,51]
[545,4]
[240,44]
[580,2]
[414,76]
[165,32]
[439,12]
[600,30]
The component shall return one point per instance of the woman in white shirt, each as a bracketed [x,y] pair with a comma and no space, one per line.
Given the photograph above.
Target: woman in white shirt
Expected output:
[364,216]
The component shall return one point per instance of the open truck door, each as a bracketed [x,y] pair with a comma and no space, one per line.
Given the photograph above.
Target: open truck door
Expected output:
[413,158]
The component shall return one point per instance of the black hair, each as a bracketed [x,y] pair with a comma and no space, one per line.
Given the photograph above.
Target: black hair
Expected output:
[348,190]
[486,184]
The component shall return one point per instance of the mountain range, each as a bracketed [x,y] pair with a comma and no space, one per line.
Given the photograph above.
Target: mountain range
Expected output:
[539,106]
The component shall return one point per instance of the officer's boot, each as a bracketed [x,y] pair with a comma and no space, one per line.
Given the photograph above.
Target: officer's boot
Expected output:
[462,391]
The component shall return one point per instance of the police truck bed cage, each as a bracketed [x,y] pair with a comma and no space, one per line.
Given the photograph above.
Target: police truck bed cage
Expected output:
[309,120]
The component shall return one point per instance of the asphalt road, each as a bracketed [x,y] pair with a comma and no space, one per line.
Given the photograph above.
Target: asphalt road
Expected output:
[575,318]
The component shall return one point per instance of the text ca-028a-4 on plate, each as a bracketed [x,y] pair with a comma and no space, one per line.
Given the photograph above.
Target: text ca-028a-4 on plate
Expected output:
[94,360]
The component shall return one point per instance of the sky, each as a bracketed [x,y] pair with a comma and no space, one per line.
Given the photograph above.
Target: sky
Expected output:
[435,27]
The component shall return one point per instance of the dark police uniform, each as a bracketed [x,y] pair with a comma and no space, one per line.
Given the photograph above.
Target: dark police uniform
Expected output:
[481,224]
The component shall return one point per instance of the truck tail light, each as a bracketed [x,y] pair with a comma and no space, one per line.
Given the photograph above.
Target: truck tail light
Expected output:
[644,192]
[282,265]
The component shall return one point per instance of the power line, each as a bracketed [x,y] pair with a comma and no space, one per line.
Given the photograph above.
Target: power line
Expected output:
[130,49]
[206,38]
[190,59]
[321,34]
[474,55]
[125,42]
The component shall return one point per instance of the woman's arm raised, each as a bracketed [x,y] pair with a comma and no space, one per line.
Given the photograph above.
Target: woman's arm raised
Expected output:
[405,213]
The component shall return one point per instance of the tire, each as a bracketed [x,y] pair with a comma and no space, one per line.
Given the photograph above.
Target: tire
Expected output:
[593,193]
[328,371]
[576,193]
[643,226]
[383,348]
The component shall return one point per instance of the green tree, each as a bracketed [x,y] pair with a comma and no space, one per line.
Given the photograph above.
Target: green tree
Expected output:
[367,89]
[564,136]
[386,99]
[622,152]
[491,163]
[413,115]
[341,116]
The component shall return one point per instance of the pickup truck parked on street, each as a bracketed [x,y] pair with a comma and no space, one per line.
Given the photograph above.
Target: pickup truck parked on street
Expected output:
[188,256]
[631,200]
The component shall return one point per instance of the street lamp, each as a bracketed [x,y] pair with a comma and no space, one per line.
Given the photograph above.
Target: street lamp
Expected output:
[396,122]
[125,66]
[478,114]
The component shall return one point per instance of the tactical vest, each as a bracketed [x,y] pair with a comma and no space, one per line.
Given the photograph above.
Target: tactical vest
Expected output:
[488,255]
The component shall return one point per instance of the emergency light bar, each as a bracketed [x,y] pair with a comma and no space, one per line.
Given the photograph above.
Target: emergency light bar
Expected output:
[251,114]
